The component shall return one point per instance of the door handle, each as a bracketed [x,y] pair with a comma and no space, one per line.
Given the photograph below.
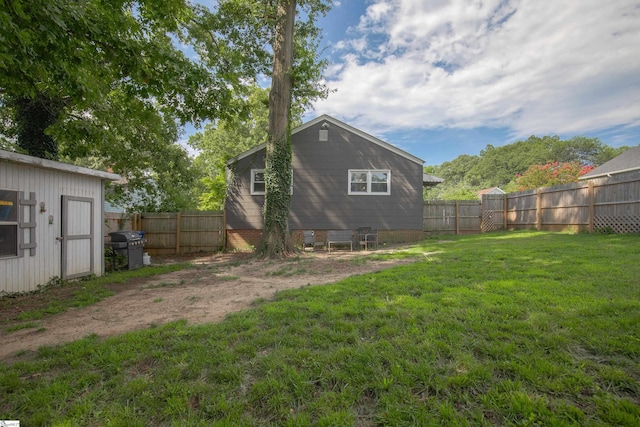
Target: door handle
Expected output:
[59,239]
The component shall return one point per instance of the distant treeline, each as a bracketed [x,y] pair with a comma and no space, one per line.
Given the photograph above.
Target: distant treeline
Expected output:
[499,166]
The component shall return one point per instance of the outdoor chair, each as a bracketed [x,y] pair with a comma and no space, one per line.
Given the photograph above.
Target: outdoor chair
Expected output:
[311,241]
[367,237]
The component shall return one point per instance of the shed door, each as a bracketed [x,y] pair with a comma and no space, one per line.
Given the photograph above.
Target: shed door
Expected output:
[77,237]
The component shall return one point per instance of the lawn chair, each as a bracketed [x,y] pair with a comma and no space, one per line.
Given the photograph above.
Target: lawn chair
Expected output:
[310,240]
[367,237]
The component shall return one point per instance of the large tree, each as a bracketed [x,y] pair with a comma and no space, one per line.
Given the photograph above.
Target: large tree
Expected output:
[276,238]
[547,175]
[291,74]
[291,46]
[107,80]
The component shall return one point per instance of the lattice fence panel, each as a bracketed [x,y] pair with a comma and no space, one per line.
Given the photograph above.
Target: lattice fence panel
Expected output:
[488,221]
[618,224]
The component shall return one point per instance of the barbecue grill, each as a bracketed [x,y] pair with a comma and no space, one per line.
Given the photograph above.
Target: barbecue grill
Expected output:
[130,245]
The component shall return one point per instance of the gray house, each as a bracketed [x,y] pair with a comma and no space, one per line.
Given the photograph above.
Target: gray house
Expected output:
[629,161]
[343,179]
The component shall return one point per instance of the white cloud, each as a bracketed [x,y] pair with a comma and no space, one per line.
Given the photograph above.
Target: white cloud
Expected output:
[375,15]
[536,67]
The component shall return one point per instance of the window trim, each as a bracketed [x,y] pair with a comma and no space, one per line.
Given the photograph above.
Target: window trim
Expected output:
[369,173]
[252,188]
[262,193]
[13,222]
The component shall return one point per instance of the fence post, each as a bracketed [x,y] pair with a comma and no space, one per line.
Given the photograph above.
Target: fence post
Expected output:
[504,208]
[592,206]
[178,231]
[224,228]
[539,209]
[457,221]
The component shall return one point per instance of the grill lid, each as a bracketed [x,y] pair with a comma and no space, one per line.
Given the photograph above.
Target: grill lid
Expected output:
[125,236]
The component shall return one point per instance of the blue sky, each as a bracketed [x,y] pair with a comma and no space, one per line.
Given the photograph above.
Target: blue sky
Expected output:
[441,78]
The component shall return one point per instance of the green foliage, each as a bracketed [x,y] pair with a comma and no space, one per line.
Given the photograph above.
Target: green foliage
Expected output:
[550,174]
[249,28]
[122,88]
[213,191]
[33,117]
[500,166]
[224,139]
[83,52]
[113,261]
[456,171]
[444,191]
[119,84]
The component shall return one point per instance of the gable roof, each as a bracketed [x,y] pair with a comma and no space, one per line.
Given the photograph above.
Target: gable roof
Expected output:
[430,180]
[491,190]
[333,121]
[625,162]
[50,164]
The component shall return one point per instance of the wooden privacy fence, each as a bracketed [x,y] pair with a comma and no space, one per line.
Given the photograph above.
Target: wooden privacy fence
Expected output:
[452,216]
[174,232]
[609,204]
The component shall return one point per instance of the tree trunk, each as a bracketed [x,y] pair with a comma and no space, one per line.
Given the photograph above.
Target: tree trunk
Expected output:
[33,117]
[276,239]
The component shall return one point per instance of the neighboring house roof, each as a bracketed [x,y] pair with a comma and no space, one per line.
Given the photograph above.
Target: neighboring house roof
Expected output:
[111,208]
[492,190]
[335,122]
[430,180]
[50,164]
[626,162]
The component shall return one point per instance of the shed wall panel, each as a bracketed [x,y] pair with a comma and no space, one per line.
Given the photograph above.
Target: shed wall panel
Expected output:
[78,262]
[24,274]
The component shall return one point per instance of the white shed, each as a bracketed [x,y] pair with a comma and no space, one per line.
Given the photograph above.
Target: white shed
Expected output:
[51,221]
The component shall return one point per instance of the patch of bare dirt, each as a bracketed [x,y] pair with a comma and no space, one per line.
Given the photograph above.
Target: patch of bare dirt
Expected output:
[217,285]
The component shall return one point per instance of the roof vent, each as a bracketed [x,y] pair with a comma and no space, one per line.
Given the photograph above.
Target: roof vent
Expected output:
[324,132]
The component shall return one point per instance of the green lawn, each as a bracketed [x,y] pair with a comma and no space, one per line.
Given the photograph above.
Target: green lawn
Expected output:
[501,329]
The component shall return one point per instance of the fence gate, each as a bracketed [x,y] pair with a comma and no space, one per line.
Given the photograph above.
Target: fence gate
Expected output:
[452,216]
[77,237]
[493,212]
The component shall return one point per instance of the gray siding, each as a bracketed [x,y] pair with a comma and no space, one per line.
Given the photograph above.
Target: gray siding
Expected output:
[244,211]
[320,196]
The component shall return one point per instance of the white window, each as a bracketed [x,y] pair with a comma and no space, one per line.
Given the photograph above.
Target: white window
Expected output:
[369,181]
[8,223]
[258,186]
[257,181]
